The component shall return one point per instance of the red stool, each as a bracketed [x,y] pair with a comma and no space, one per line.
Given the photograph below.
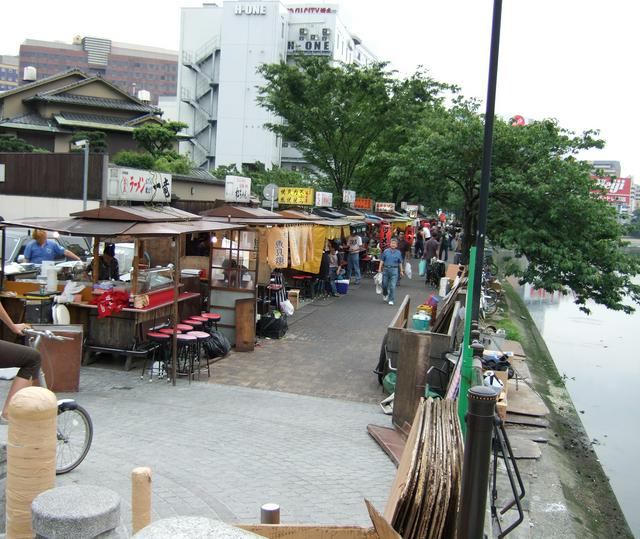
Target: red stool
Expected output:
[162,339]
[169,331]
[187,350]
[202,336]
[199,318]
[184,327]
[196,324]
[212,319]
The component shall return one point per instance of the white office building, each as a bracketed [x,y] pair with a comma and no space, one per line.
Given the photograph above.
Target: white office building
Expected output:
[221,48]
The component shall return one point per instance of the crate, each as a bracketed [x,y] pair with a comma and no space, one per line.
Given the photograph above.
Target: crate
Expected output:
[294,297]
[342,286]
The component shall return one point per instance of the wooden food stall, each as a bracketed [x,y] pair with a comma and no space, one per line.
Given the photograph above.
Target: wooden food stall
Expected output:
[154,295]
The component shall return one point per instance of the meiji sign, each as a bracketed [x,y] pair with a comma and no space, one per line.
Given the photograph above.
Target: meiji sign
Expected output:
[310,10]
[614,190]
[250,9]
[139,185]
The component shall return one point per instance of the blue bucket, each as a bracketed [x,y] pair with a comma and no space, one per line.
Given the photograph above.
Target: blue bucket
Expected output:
[421,325]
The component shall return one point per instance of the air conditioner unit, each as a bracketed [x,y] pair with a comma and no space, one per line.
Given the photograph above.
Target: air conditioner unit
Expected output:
[314,37]
[326,31]
[303,31]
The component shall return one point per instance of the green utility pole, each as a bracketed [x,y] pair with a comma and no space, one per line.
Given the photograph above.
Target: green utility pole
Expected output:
[466,372]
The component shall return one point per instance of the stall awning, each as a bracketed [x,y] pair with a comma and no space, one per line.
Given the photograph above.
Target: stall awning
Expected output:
[107,229]
[144,214]
[298,214]
[240,212]
[329,213]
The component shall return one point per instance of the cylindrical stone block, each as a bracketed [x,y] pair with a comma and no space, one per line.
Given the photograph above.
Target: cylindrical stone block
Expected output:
[31,455]
[77,511]
[140,498]
[270,513]
[192,527]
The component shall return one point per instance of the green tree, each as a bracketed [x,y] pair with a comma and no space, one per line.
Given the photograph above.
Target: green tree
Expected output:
[541,204]
[97,140]
[333,113]
[157,139]
[11,143]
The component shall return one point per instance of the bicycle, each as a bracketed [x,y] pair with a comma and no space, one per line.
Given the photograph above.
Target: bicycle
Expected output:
[74,426]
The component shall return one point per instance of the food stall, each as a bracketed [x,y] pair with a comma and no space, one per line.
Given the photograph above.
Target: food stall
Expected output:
[152,297]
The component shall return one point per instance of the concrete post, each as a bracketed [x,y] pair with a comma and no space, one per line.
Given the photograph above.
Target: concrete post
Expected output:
[475,468]
[31,455]
[270,513]
[140,498]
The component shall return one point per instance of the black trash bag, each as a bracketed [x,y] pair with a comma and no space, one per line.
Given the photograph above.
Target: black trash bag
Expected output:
[272,327]
[217,345]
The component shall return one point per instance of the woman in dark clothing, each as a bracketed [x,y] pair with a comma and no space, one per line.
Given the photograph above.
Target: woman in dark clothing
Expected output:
[16,355]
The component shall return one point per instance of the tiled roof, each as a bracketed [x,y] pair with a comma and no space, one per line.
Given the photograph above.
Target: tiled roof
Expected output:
[45,80]
[91,101]
[31,120]
[93,118]
[199,175]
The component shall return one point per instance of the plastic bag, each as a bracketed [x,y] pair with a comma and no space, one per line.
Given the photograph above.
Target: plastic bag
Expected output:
[408,271]
[422,267]
[377,279]
[287,307]
[378,289]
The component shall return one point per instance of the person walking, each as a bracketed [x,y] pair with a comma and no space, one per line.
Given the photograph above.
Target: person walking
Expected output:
[391,268]
[419,244]
[354,246]
[333,267]
[430,252]
[445,243]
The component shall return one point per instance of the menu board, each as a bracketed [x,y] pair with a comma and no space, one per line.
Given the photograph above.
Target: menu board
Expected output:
[299,196]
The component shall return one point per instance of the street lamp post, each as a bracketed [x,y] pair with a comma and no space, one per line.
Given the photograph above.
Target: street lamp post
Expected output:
[84,144]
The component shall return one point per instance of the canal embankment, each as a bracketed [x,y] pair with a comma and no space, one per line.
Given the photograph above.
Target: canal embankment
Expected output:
[569,494]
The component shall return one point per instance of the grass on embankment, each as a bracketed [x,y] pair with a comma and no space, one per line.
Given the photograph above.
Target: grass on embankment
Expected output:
[588,492]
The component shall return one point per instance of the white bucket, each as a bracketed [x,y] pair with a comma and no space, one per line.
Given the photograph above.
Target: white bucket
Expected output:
[52,279]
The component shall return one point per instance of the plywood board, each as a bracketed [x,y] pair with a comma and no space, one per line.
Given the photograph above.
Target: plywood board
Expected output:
[302,531]
[524,400]
[380,524]
[523,447]
[526,420]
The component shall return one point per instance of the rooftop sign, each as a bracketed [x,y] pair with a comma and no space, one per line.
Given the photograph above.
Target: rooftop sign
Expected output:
[250,9]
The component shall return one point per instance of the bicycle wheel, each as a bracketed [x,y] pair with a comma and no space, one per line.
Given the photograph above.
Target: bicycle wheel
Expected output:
[75,433]
[490,302]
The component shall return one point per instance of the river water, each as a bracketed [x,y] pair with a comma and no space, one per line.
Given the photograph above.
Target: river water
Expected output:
[598,355]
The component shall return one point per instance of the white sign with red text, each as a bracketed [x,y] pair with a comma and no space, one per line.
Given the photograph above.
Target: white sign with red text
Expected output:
[139,185]
[385,206]
[324,200]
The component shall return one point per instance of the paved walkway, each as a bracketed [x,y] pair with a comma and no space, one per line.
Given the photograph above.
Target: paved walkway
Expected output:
[222,451]
[330,349]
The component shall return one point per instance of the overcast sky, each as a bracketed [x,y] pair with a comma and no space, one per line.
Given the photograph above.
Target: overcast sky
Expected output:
[572,60]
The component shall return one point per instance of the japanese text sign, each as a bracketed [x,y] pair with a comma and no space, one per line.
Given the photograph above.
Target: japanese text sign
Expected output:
[348,197]
[237,189]
[385,206]
[363,204]
[139,185]
[324,199]
[298,196]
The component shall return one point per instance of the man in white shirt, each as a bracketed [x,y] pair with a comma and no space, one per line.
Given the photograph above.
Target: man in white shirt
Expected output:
[354,244]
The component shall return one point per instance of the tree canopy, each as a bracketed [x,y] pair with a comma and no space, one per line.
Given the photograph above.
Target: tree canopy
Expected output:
[11,143]
[335,113]
[157,139]
[542,203]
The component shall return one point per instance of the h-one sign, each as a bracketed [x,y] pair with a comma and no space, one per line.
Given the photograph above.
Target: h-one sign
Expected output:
[250,9]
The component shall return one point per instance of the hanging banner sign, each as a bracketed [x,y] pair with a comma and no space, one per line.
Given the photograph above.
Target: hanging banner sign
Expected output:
[237,189]
[324,200]
[348,197]
[385,206]
[278,247]
[139,185]
[363,204]
[298,196]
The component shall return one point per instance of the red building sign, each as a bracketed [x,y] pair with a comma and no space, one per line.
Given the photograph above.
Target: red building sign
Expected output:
[615,190]
[363,204]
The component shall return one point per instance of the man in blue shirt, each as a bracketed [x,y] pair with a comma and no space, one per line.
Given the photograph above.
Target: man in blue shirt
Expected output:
[391,267]
[41,249]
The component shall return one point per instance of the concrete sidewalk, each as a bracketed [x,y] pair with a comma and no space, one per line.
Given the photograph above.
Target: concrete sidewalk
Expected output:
[330,349]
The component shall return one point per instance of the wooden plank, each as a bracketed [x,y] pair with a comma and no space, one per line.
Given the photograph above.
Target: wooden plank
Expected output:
[527,420]
[412,365]
[301,531]
[380,524]
[524,400]
[245,325]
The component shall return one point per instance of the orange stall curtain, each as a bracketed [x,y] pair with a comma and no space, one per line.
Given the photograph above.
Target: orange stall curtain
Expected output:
[295,249]
[312,265]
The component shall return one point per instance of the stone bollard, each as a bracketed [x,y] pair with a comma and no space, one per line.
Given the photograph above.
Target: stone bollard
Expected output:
[78,511]
[31,455]
[140,498]
[191,527]
[270,513]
